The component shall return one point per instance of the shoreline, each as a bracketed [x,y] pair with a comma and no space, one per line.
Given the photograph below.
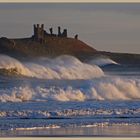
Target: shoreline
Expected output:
[98,131]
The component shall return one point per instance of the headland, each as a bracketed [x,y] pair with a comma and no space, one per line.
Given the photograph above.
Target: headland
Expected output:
[44,44]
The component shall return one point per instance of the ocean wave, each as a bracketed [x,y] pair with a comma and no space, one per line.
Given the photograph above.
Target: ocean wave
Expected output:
[19,94]
[71,113]
[63,67]
[102,61]
[96,87]
[37,128]
[106,88]
[77,126]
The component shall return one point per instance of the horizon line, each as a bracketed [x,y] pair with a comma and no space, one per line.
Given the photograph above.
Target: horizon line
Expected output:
[69,1]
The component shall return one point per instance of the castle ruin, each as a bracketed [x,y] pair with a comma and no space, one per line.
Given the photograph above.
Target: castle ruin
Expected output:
[40,34]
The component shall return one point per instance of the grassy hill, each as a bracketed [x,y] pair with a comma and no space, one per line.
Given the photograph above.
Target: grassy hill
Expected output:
[54,46]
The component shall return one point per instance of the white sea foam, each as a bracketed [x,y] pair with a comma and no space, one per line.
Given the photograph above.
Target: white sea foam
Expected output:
[70,113]
[106,88]
[38,128]
[102,61]
[63,67]
[9,63]
[67,67]
[16,94]
[77,126]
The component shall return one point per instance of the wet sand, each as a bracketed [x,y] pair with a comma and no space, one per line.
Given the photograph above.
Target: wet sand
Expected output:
[100,131]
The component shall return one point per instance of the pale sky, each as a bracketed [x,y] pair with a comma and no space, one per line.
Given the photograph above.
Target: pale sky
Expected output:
[108,27]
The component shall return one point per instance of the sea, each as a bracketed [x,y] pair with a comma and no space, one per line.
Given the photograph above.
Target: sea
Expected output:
[66,97]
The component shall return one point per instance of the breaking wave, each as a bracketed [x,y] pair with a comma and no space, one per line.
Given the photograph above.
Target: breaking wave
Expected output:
[106,88]
[77,126]
[70,113]
[102,61]
[97,86]
[63,67]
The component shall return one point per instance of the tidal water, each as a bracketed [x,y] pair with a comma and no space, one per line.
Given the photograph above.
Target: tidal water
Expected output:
[66,97]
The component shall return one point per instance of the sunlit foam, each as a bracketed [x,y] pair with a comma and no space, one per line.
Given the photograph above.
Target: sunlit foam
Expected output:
[106,88]
[102,61]
[63,67]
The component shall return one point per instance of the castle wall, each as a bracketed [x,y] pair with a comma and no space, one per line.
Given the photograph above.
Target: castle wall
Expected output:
[40,34]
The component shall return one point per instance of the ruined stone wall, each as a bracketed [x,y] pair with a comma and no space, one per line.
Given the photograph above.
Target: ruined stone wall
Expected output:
[39,34]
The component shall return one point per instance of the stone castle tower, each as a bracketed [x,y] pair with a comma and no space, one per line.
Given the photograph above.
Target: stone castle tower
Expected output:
[39,33]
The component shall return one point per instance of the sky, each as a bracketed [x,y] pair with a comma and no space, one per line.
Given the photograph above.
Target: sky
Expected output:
[106,27]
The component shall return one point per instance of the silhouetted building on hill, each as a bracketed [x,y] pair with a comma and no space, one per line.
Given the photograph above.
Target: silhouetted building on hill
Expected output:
[51,31]
[64,34]
[76,36]
[59,31]
[40,34]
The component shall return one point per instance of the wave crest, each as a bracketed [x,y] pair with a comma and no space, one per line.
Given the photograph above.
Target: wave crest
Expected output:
[99,61]
[63,67]
[98,89]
